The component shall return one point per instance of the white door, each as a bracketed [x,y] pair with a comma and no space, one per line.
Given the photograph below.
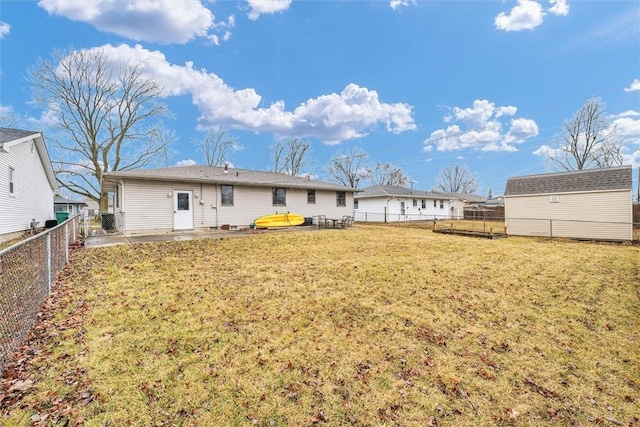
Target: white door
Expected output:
[182,210]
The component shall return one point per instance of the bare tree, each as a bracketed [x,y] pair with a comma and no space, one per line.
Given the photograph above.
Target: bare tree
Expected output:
[215,147]
[457,179]
[385,174]
[8,117]
[587,140]
[103,110]
[290,157]
[349,168]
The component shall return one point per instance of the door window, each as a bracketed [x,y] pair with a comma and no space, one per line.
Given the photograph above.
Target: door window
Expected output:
[183,201]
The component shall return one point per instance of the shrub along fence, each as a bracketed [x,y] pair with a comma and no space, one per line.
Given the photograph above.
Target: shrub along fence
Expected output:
[27,271]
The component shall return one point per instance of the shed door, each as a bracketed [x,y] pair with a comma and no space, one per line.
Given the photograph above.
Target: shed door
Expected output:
[182,210]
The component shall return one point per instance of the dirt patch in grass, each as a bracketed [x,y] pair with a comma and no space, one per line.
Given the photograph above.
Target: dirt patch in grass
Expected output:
[367,326]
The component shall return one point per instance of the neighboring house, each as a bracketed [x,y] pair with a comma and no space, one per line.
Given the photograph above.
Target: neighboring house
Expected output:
[587,204]
[73,207]
[389,203]
[206,197]
[91,207]
[27,182]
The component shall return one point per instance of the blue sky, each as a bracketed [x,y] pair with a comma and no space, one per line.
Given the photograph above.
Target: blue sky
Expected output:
[418,84]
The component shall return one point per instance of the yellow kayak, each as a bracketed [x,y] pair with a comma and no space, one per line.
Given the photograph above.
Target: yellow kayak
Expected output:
[279,220]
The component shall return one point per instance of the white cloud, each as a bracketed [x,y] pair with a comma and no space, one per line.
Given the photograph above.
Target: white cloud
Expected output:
[261,7]
[187,162]
[4,29]
[632,159]
[527,15]
[395,4]
[481,129]
[560,7]
[626,127]
[634,86]
[331,118]
[158,21]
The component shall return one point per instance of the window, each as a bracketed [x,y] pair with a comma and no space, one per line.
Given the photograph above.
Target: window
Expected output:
[355,203]
[441,204]
[435,203]
[415,203]
[280,196]
[183,201]
[311,197]
[341,198]
[12,177]
[424,204]
[227,195]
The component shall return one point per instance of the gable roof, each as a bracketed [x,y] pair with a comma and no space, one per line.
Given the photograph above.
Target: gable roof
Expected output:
[469,198]
[57,200]
[10,137]
[604,179]
[393,191]
[225,176]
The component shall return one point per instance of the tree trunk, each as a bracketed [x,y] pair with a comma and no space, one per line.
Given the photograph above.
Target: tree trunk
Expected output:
[104,201]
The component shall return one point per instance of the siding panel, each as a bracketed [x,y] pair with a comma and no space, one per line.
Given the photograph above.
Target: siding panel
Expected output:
[33,194]
[596,215]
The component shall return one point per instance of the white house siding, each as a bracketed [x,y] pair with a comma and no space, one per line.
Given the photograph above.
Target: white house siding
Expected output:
[33,197]
[149,208]
[373,209]
[602,215]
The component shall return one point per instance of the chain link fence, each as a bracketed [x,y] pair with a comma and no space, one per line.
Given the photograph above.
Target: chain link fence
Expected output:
[27,271]
[536,227]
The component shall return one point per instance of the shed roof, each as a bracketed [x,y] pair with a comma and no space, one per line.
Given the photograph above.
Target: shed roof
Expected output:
[226,176]
[393,191]
[603,179]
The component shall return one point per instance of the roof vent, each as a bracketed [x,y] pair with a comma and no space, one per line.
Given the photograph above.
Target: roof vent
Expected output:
[237,174]
[226,166]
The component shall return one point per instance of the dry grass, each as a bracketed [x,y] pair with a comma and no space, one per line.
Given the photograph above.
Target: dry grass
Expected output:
[371,326]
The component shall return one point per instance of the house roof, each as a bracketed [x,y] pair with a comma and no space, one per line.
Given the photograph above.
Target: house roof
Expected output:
[469,198]
[225,176]
[10,137]
[393,191]
[604,179]
[57,200]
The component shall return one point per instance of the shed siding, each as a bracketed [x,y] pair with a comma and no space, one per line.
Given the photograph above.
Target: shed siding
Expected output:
[596,215]
[147,206]
[33,197]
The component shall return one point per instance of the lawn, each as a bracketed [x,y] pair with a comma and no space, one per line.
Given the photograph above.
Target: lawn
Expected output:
[370,326]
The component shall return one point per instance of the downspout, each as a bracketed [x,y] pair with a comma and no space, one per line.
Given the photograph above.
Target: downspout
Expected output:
[387,209]
[214,205]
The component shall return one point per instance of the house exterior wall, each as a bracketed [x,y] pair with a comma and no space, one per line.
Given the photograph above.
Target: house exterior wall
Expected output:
[148,205]
[373,209]
[588,215]
[33,195]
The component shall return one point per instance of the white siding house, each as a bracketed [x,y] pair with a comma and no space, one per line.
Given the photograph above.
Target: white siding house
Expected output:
[27,182]
[206,197]
[389,203]
[589,204]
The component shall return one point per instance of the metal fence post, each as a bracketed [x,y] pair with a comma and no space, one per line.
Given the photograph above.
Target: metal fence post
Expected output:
[48,262]
[66,242]
[551,228]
